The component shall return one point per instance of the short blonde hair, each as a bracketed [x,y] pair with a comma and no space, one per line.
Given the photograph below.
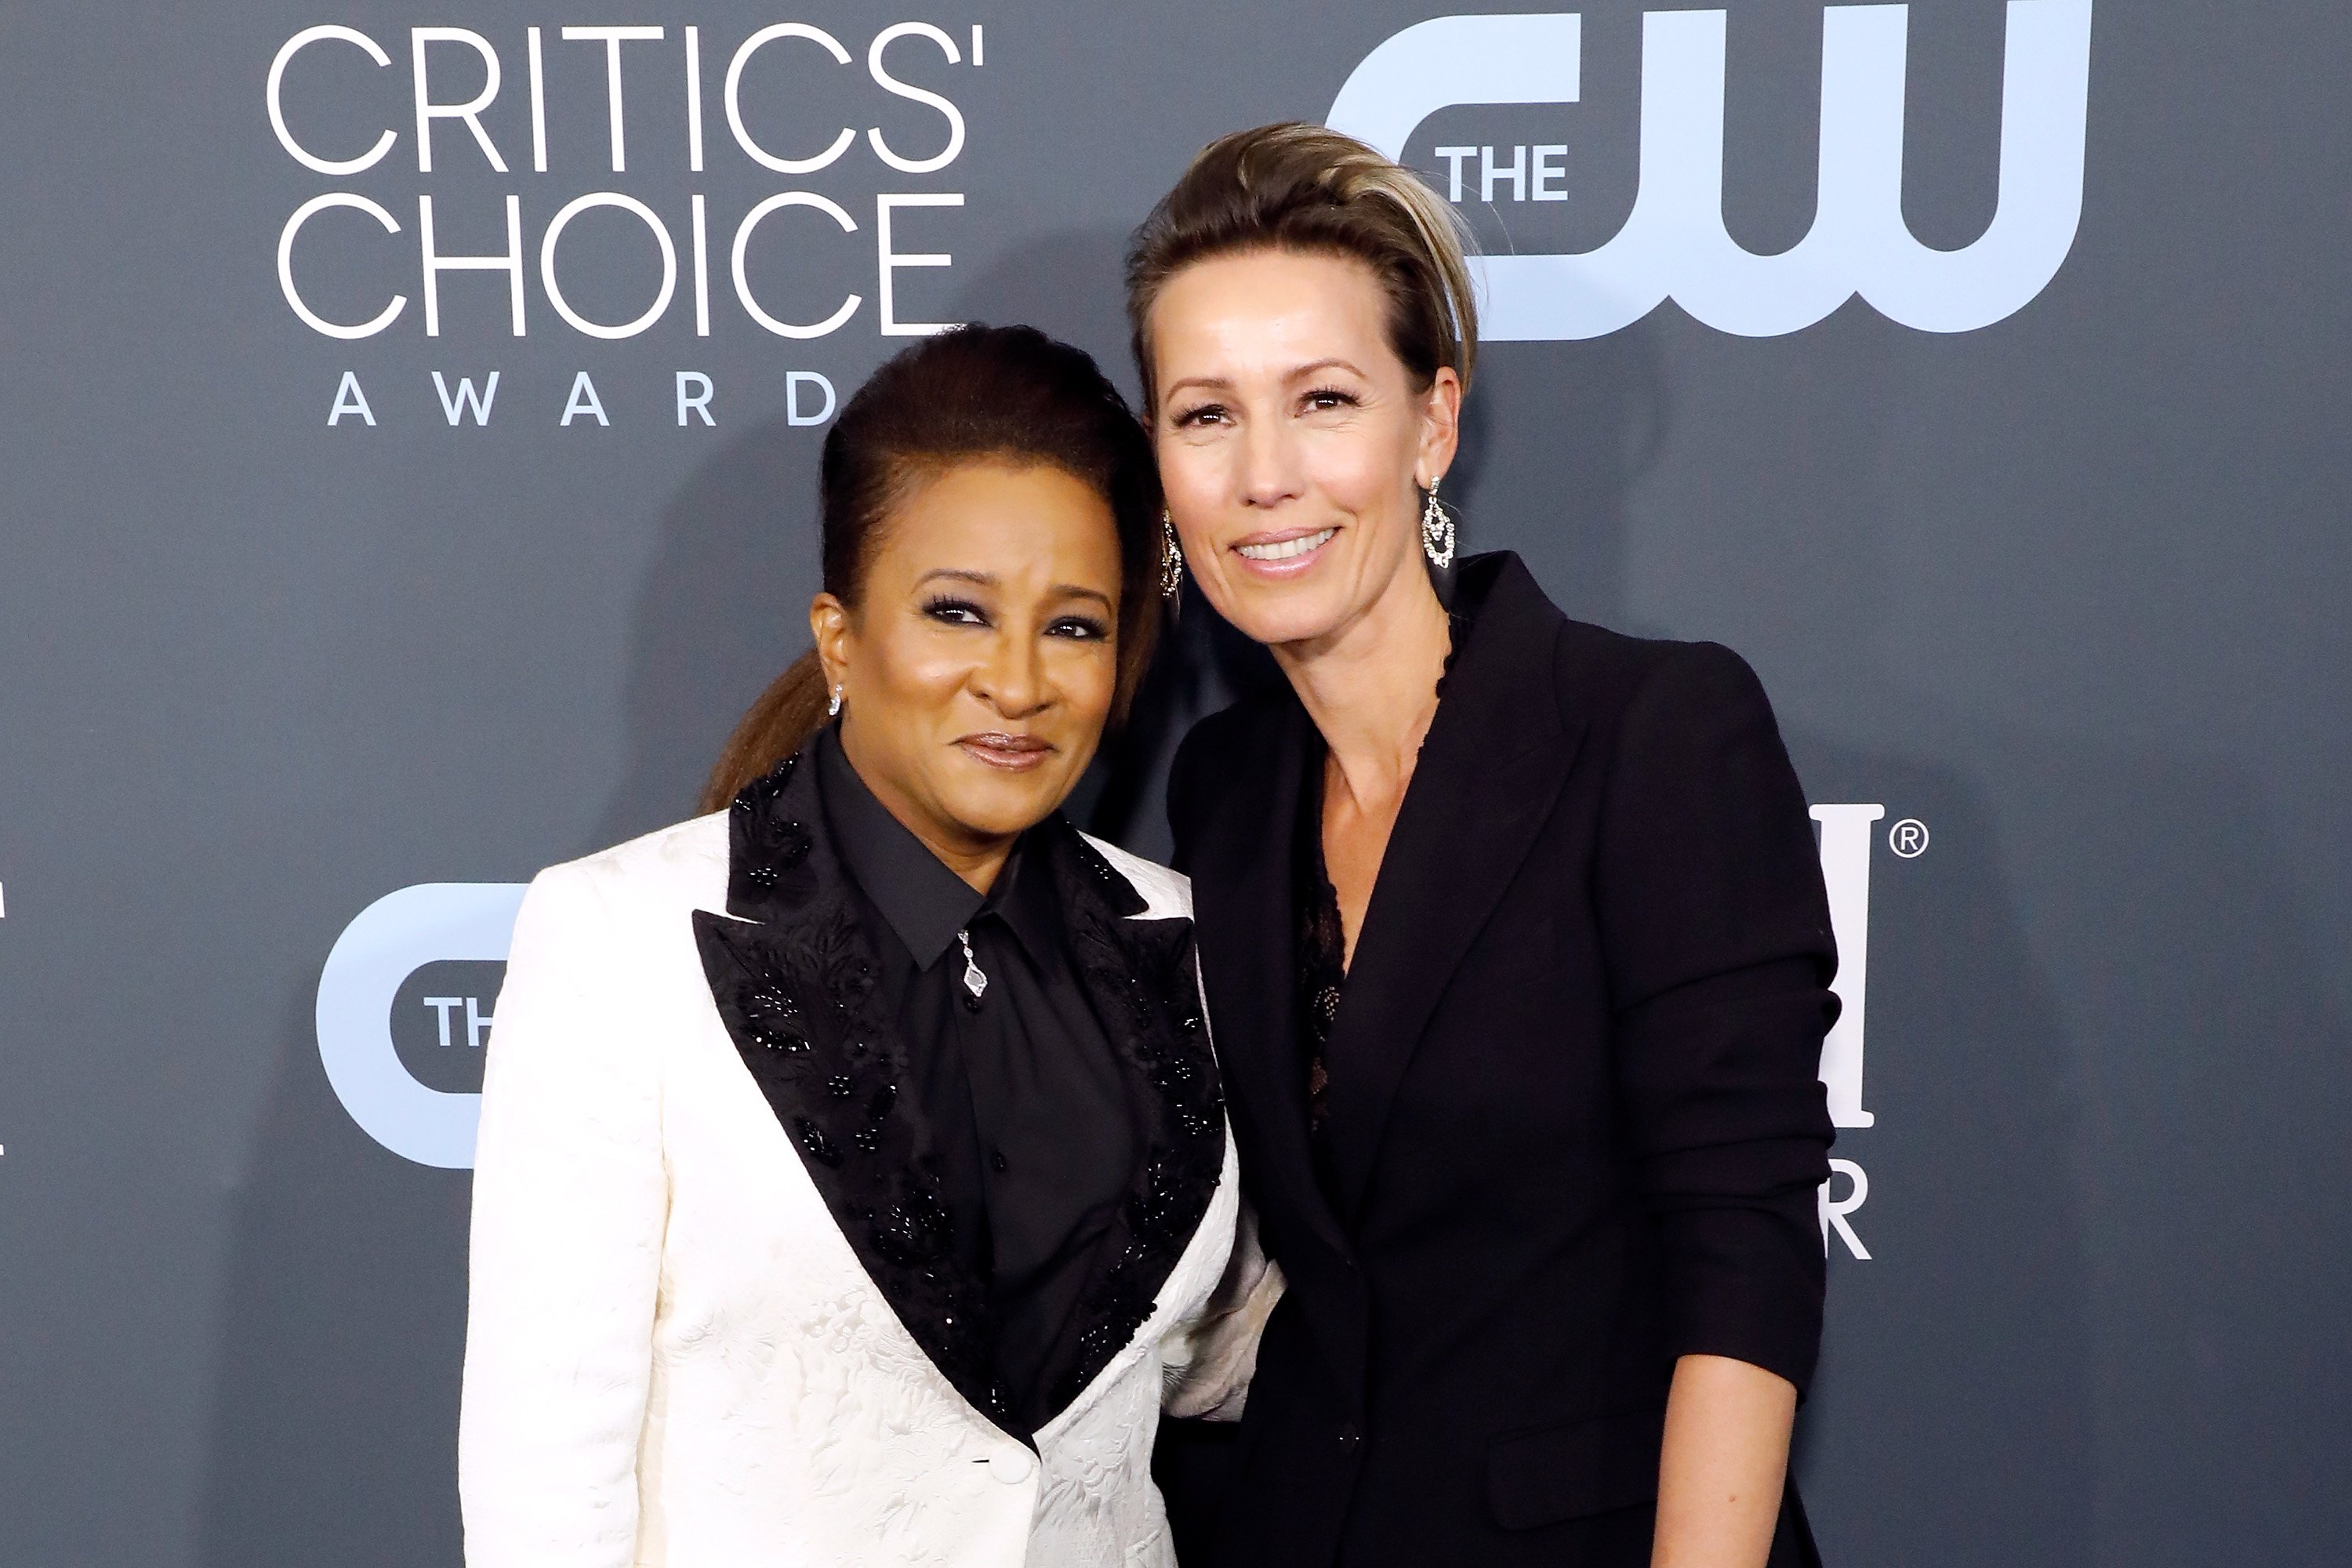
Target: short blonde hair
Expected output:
[1293,186]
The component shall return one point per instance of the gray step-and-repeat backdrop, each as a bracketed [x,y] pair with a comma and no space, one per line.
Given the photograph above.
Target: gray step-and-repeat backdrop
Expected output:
[409,419]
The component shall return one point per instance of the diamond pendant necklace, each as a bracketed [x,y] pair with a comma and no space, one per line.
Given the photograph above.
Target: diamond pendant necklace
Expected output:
[975,981]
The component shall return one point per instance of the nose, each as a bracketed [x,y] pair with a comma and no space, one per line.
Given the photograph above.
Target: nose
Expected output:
[1013,679]
[1270,464]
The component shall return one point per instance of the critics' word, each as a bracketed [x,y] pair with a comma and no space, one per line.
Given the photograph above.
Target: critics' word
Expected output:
[446,120]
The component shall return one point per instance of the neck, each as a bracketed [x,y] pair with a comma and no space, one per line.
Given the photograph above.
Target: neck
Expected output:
[978,867]
[975,858]
[1370,686]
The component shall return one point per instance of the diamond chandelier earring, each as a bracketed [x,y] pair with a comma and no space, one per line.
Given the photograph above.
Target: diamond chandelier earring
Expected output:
[1436,531]
[833,708]
[1171,558]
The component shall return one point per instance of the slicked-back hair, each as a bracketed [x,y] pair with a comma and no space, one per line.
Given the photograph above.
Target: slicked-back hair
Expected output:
[1305,188]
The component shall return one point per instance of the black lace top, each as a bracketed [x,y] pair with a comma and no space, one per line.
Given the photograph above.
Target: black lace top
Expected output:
[1322,941]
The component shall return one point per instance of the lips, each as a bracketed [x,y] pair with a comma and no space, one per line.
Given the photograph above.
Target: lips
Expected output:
[1014,753]
[1289,548]
[1288,552]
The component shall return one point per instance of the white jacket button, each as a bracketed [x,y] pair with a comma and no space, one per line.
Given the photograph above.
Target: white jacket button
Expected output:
[1011,1465]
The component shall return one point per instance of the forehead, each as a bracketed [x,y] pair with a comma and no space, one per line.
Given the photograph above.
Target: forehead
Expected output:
[1268,307]
[1010,521]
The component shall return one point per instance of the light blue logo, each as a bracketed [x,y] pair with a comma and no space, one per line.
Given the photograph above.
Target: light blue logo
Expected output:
[1675,245]
[393,939]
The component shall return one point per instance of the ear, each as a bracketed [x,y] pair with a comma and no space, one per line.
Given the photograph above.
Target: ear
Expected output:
[1441,427]
[830,624]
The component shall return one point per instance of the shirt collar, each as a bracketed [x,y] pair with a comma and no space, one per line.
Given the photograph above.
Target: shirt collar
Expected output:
[1024,897]
[925,902]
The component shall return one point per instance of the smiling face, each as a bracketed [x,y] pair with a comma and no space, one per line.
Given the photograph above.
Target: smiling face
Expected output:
[979,666]
[1291,441]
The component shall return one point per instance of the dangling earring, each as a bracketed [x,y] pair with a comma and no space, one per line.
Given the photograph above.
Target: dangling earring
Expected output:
[833,708]
[1436,531]
[1171,559]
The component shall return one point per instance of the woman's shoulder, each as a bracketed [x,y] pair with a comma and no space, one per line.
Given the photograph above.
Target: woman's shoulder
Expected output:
[683,865]
[1229,751]
[1167,894]
[1601,673]
[1241,729]
[1598,672]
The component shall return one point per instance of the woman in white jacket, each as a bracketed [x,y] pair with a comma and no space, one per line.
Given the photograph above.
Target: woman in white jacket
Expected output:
[854,1178]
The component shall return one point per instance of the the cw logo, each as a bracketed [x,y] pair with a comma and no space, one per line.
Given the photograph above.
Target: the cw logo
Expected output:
[1674,244]
[389,940]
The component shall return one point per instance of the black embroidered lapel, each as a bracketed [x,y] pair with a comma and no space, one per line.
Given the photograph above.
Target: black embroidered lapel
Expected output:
[795,980]
[1143,981]
[799,994]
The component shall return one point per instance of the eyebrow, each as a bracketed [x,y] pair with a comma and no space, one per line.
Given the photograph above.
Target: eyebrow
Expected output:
[1297,372]
[989,580]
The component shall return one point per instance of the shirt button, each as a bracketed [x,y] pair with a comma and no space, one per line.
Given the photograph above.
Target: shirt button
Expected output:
[997,1162]
[1011,1465]
[1349,1437]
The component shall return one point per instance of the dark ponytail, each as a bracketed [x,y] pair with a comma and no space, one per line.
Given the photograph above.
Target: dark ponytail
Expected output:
[779,722]
[973,394]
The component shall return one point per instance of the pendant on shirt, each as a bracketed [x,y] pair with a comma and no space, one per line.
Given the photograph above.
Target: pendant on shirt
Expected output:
[974,980]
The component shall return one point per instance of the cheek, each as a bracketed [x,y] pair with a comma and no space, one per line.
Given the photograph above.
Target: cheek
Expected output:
[1087,675]
[1355,470]
[1192,478]
[919,668]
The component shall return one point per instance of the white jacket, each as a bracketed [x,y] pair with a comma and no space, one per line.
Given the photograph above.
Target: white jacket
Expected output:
[674,1356]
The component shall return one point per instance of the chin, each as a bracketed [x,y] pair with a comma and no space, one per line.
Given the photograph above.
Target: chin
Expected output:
[995,805]
[1273,614]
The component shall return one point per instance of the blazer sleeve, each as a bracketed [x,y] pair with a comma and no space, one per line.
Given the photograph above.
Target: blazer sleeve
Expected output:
[570,1201]
[1206,1369]
[1716,935]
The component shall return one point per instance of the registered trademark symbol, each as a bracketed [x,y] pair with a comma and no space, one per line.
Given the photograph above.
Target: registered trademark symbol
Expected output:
[1909,839]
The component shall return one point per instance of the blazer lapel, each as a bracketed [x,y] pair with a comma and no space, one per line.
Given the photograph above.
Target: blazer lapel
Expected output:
[1488,776]
[1140,980]
[795,980]
[1247,929]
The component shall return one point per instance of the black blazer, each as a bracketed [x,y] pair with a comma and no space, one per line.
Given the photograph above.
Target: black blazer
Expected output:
[1575,1125]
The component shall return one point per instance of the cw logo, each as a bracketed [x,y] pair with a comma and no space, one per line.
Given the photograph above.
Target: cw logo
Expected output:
[391,940]
[1845,870]
[402,932]
[1675,245]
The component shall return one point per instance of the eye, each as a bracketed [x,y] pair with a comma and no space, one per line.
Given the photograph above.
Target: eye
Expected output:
[1201,413]
[1324,399]
[955,612]
[1078,629]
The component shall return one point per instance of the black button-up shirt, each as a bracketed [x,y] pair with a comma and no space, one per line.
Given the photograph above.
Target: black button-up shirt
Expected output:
[1035,1119]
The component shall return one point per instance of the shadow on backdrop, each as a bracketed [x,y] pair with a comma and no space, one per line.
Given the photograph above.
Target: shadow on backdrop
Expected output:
[333,1433]
[2100,1211]
[1954,1397]
[723,609]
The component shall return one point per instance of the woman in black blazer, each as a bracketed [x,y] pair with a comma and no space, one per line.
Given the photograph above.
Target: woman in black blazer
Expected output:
[1514,931]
